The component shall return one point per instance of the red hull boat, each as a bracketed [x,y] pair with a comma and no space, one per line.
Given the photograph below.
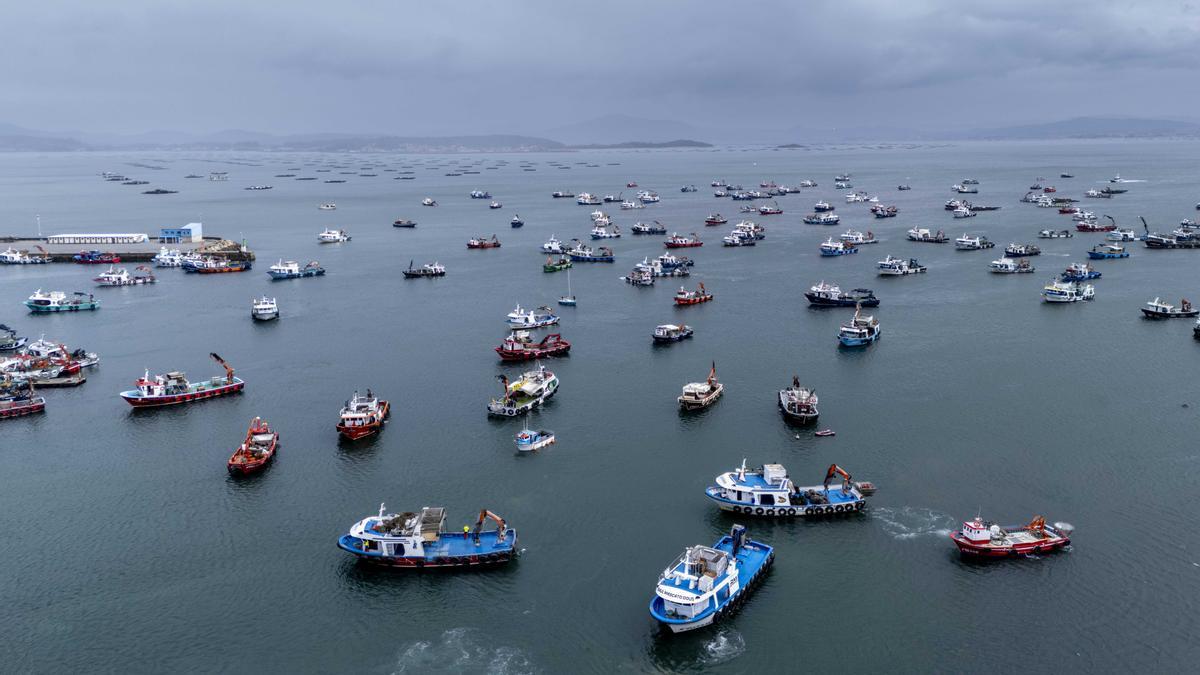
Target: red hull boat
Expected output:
[686,297]
[256,451]
[17,407]
[520,347]
[174,388]
[363,416]
[978,538]
[716,219]
[480,242]
[1094,227]
[676,241]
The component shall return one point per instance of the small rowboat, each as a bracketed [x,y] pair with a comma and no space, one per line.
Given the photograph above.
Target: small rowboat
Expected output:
[825,432]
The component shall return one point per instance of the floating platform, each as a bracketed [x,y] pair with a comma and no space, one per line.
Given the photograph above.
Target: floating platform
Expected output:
[65,381]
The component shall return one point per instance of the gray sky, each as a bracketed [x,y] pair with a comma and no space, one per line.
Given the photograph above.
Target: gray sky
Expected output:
[465,66]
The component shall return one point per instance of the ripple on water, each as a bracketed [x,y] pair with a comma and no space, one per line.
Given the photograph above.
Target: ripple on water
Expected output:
[462,650]
[908,522]
[726,645]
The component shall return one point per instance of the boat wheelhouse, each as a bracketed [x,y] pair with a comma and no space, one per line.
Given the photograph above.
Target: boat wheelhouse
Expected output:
[363,416]
[420,541]
[980,538]
[529,391]
[769,491]
[707,583]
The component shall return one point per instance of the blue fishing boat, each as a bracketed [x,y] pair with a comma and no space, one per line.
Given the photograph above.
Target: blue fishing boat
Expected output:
[768,491]
[706,583]
[832,248]
[584,253]
[1079,272]
[861,331]
[1107,251]
[420,540]
[291,269]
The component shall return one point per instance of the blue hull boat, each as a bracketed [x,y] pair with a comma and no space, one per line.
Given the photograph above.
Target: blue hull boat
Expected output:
[419,540]
[705,584]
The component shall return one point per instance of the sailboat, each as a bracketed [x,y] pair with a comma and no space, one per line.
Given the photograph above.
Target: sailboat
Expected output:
[569,298]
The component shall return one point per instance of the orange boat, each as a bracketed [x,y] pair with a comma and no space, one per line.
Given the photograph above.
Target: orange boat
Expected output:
[256,451]
[363,416]
[686,297]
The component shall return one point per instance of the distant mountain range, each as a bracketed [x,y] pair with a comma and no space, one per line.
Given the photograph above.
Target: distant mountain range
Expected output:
[609,131]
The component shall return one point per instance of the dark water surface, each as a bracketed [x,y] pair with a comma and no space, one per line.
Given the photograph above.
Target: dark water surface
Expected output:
[128,548]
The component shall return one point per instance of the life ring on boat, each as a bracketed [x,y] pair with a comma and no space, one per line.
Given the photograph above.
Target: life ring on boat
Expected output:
[759,511]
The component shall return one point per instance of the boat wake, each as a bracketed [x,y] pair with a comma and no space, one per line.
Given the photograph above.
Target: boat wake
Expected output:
[910,522]
[461,650]
[726,645]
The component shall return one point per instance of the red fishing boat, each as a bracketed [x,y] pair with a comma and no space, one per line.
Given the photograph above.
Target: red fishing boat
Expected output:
[519,346]
[686,297]
[96,258]
[254,452]
[715,219]
[480,242]
[15,401]
[362,416]
[1092,226]
[676,241]
[980,538]
[174,388]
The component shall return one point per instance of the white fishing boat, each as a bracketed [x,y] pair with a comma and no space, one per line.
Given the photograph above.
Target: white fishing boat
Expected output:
[327,206]
[969,243]
[528,441]
[1010,266]
[553,245]
[1067,291]
[890,266]
[531,318]
[168,258]
[330,236]
[12,256]
[264,309]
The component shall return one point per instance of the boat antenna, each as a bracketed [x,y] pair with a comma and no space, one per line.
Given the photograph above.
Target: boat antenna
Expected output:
[380,509]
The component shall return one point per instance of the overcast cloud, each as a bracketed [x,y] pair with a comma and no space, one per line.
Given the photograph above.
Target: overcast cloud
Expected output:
[527,67]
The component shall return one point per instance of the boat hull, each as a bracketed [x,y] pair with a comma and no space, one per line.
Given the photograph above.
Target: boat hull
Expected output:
[976,550]
[50,309]
[809,511]
[822,301]
[491,558]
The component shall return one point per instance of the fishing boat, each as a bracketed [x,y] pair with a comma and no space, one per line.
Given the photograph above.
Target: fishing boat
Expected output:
[332,236]
[686,297]
[327,206]
[1122,235]
[516,221]
[670,332]
[1021,250]
[528,441]
[404,222]
[264,309]
[531,318]
[923,234]
[168,258]
[119,276]
[799,404]
[587,199]
[495,205]
[677,241]
[768,491]
[18,402]
[697,395]
[964,212]
[480,194]
[822,219]
[1107,251]
[715,219]
[1055,234]
[881,211]
[706,584]
[643,228]
[630,204]
[771,209]
[823,207]
[9,340]
[1010,266]
[173,388]
[96,258]
[830,295]
[426,271]
[429,201]
[482,242]
[519,346]
[420,541]
[833,247]
[898,267]
[552,245]
[58,301]
[559,194]
[583,253]
[1067,291]
[216,266]
[552,265]
[58,353]
[979,538]
[861,331]
[529,391]
[606,232]
[968,243]
[648,197]
[1093,226]
[292,270]
[639,276]
[12,256]
[362,416]
[1079,272]
[856,238]
[256,451]
[1156,309]
[903,186]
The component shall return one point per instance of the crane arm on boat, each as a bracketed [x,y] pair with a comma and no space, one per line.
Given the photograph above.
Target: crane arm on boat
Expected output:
[833,470]
[226,366]
[485,514]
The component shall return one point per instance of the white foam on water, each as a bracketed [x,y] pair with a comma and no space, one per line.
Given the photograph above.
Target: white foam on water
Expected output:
[908,522]
[726,645]
[461,650]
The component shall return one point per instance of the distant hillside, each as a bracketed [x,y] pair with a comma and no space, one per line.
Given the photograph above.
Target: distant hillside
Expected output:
[611,129]
[640,145]
[16,143]
[1092,127]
